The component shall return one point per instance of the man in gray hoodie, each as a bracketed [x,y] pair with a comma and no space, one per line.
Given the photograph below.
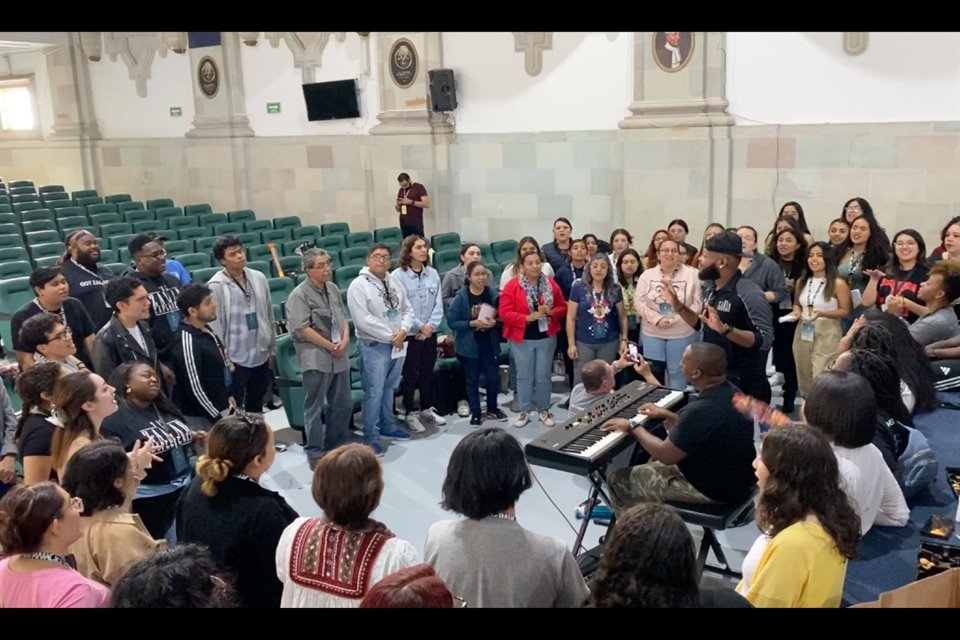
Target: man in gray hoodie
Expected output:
[244,322]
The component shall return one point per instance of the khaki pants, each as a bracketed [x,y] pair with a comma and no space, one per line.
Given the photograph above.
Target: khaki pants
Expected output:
[651,482]
[812,357]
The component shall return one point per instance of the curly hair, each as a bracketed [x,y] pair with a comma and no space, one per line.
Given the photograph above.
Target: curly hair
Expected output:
[610,285]
[804,479]
[888,334]
[120,378]
[182,577]
[92,472]
[880,371]
[31,385]
[406,250]
[648,562]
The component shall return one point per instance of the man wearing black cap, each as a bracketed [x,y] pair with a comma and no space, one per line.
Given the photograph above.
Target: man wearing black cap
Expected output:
[86,277]
[736,316]
[150,259]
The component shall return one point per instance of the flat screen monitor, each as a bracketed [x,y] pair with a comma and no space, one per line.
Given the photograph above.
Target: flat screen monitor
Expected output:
[331,100]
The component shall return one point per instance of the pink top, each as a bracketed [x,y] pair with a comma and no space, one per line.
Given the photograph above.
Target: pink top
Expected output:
[55,588]
[648,299]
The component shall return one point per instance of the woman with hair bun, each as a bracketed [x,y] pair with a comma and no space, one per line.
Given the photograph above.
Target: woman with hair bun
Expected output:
[226,509]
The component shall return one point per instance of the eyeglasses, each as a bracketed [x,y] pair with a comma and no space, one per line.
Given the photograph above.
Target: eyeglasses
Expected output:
[459,603]
[320,265]
[156,255]
[668,251]
[852,209]
[380,257]
[64,335]
[905,243]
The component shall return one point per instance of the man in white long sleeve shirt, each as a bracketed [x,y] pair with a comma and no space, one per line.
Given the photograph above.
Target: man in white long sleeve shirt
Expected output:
[382,316]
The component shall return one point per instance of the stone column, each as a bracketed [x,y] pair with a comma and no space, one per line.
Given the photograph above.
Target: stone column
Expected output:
[404,60]
[218,95]
[690,96]
[70,92]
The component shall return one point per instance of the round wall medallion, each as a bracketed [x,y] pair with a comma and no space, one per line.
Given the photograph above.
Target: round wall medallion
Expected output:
[404,63]
[208,75]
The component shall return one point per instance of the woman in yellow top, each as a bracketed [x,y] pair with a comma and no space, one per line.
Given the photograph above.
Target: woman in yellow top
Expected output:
[809,528]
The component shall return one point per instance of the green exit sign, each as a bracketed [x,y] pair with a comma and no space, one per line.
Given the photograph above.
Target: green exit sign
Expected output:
[176,112]
[273,107]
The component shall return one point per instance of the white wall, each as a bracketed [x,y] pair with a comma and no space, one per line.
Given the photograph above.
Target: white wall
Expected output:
[35,62]
[807,78]
[121,113]
[586,82]
[269,76]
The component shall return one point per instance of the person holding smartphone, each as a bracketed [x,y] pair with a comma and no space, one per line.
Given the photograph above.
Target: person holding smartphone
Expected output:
[412,199]
[598,378]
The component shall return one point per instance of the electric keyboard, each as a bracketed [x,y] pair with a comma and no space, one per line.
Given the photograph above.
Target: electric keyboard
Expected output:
[579,446]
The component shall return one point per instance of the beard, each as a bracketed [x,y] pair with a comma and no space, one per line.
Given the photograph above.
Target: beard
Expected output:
[709,273]
[87,260]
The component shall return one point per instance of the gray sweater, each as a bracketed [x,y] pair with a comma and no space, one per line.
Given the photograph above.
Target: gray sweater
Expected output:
[767,275]
[223,289]
[493,562]
[934,327]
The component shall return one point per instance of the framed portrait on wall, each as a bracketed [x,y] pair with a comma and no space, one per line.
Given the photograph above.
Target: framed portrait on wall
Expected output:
[672,50]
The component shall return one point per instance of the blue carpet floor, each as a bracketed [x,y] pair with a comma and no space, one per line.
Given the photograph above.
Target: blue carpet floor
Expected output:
[888,555]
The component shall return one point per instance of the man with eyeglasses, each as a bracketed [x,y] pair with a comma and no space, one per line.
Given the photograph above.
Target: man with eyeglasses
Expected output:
[150,260]
[52,296]
[46,339]
[382,316]
[315,315]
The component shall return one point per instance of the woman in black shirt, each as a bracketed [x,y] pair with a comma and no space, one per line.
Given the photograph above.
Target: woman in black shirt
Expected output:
[144,413]
[34,432]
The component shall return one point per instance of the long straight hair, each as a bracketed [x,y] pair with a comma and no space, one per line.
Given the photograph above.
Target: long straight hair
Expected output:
[831,273]
[71,392]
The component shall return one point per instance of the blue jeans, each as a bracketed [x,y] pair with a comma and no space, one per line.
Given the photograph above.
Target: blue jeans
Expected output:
[669,350]
[335,389]
[380,376]
[534,366]
[485,366]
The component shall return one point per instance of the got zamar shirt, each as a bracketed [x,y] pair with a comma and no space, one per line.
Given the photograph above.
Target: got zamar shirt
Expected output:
[87,287]
[171,437]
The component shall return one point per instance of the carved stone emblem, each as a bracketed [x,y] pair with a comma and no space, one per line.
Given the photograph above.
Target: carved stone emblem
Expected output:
[404,63]
[208,75]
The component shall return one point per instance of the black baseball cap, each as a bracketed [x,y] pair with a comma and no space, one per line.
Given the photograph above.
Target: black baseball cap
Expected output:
[138,241]
[726,242]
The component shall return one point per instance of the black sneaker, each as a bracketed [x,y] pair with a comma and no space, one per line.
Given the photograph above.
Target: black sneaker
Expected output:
[497,415]
[476,421]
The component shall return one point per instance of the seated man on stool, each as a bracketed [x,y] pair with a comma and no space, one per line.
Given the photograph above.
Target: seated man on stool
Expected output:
[707,456]
[597,381]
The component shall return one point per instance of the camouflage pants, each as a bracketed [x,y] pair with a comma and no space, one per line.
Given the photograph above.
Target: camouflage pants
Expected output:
[651,482]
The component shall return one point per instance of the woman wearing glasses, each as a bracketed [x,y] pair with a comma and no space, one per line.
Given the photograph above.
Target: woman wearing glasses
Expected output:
[37,526]
[49,340]
[894,289]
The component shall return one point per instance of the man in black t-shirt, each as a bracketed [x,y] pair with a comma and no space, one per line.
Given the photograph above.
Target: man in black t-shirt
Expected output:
[736,316]
[707,456]
[150,259]
[52,291]
[86,277]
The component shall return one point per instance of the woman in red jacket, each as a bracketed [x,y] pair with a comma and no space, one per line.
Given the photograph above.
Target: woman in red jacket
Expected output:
[532,309]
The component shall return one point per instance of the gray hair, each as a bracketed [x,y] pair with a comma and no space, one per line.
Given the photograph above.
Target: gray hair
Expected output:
[310,257]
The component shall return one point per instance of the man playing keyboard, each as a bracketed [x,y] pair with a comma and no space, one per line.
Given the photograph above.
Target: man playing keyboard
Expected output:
[707,456]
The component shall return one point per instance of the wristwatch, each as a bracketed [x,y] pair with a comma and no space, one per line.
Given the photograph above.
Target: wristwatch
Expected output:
[726,329]
[635,422]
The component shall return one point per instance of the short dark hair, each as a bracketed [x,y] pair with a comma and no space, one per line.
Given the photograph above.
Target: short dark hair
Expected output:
[221,244]
[842,405]
[182,577]
[25,515]
[487,473]
[403,177]
[711,359]
[192,296]
[592,374]
[42,276]
[34,330]
[138,242]
[949,272]
[564,220]
[347,485]
[679,222]
[379,245]
[416,587]
[91,473]
[648,562]
[120,290]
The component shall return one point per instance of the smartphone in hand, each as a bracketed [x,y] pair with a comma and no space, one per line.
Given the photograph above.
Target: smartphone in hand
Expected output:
[633,352]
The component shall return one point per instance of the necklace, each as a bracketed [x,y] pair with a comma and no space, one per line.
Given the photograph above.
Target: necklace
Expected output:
[63,315]
[49,557]
[99,278]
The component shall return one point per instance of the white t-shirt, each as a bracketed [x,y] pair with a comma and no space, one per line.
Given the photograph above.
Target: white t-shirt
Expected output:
[871,487]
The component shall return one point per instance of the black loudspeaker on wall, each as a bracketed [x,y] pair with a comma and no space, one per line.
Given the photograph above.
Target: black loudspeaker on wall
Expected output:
[443,90]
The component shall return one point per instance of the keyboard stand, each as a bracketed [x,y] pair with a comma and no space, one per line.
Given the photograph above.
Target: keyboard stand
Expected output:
[597,478]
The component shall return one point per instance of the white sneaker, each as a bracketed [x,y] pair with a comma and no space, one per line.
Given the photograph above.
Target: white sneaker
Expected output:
[776,379]
[522,419]
[413,424]
[429,416]
[463,409]
[547,419]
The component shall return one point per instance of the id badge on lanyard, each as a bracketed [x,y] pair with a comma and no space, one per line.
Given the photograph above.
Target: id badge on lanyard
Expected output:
[806,332]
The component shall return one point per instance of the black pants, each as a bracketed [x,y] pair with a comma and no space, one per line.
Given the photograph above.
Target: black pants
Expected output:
[157,513]
[411,227]
[249,386]
[753,383]
[418,372]
[472,368]
[783,333]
